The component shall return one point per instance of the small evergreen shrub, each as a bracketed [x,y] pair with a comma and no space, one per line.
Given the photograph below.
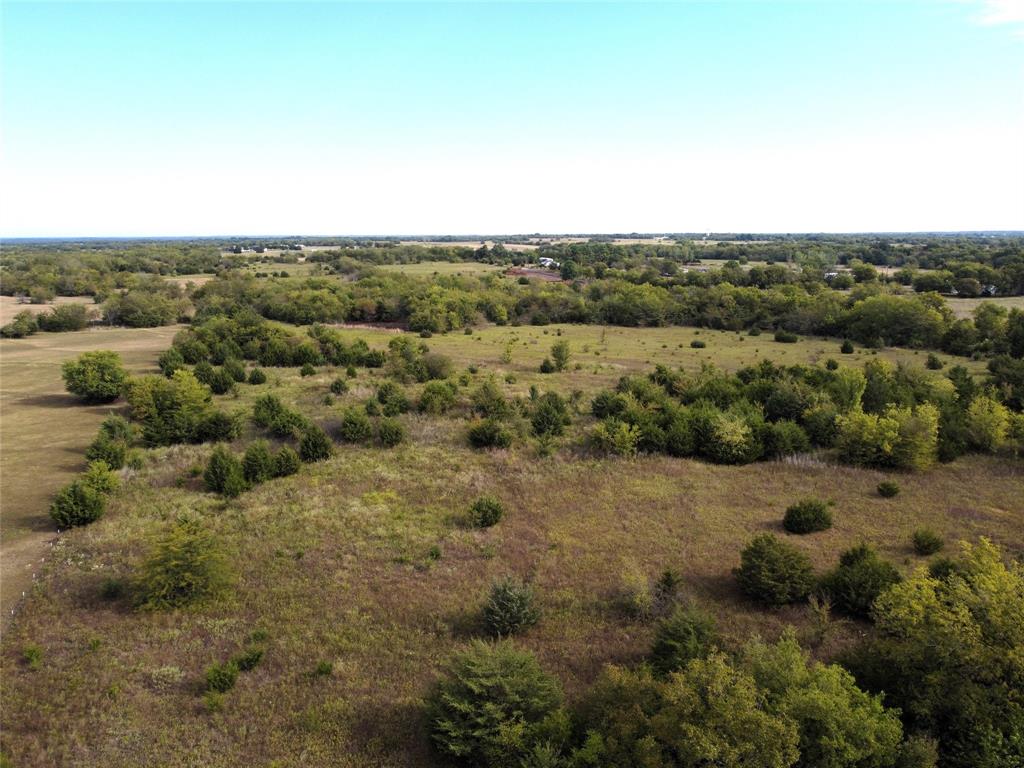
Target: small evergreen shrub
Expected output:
[485,512]
[248,659]
[323,669]
[390,432]
[547,366]
[831,364]
[510,608]
[315,445]
[286,462]
[235,369]
[339,386]
[221,677]
[773,572]
[224,473]
[698,344]
[847,347]
[438,397]
[808,516]
[860,578]
[258,462]
[888,488]
[257,376]
[927,542]
[77,503]
[307,370]
[355,427]
[786,337]
[933,363]
[184,565]
[490,433]
[685,635]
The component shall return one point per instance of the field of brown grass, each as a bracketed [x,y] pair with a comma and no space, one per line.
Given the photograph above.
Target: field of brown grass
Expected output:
[10,306]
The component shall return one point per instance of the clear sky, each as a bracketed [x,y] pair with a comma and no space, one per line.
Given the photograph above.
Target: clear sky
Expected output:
[331,118]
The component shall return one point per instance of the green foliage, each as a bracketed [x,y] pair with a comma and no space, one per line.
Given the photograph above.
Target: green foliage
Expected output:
[489,401]
[988,423]
[222,677]
[308,369]
[355,426]
[807,516]
[859,579]
[286,462]
[485,512]
[510,608]
[339,386]
[248,659]
[774,572]
[615,437]
[96,377]
[490,433]
[77,504]
[392,398]
[437,397]
[258,462]
[688,633]
[905,438]
[786,337]
[32,655]
[224,473]
[698,344]
[170,360]
[927,542]
[257,376]
[493,706]
[235,369]
[390,432]
[184,565]
[172,410]
[546,366]
[64,317]
[23,324]
[315,445]
[784,438]
[560,354]
[847,347]
[888,489]
[550,415]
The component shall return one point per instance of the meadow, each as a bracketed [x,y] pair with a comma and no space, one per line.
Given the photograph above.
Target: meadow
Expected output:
[361,578]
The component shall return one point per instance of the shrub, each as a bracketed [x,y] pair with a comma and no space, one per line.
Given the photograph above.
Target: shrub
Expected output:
[170,360]
[615,437]
[773,572]
[485,512]
[546,366]
[234,369]
[927,542]
[184,565]
[307,370]
[987,423]
[858,580]
[77,504]
[390,432]
[490,433]
[786,337]
[510,608]
[888,488]
[96,377]
[685,635]
[216,426]
[698,344]
[286,462]
[221,677]
[248,659]
[560,355]
[489,401]
[847,347]
[221,381]
[24,324]
[315,445]
[258,462]
[339,386]
[257,376]
[65,317]
[550,415]
[933,363]
[392,398]
[732,439]
[224,473]
[438,397]
[785,438]
[807,516]
[492,706]
[436,365]
[355,426]
[112,452]
[831,364]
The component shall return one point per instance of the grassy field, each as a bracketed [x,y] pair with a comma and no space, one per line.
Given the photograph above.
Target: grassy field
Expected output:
[363,562]
[44,433]
[426,268]
[966,307]
[10,306]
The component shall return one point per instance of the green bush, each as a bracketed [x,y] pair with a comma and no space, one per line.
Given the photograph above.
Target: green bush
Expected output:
[392,398]
[64,317]
[235,369]
[546,366]
[437,397]
[221,677]
[355,426]
[257,376]
[808,516]
[774,573]
[686,634]
[258,462]
[785,438]
[490,433]
[112,452]
[550,415]
[286,462]
[485,512]
[510,608]
[77,504]
[315,445]
[888,488]
[96,377]
[859,579]
[786,337]
[927,542]
[339,386]
[615,437]
[933,363]
[248,659]
[847,347]
[169,361]
[492,707]
[307,369]
[390,432]
[224,473]
[698,344]
[184,565]
[24,324]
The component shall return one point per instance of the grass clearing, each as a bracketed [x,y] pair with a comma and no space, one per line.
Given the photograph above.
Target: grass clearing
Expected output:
[458,268]
[964,308]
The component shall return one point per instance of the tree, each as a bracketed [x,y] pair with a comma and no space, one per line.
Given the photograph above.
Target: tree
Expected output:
[184,565]
[96,377]
[988,422]
[493,706]
[170,410]
[510,608]
[859,579]
[224,473]
[258,463]
[560,354]
[550,415]
[773,572]
[315,445]
[686,634]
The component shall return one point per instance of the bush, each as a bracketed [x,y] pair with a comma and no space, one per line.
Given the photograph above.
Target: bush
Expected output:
[170,360]
[927,542]
[786,337]
[888,488]
[96,377]
[438,397]
[24,324]
[339,386]
[112,452]
[258,462]
[184,565]
[65,317]
[491,708]
[248,659]
[390,432]
[510,608]
[315,445]
[436,365]
[785,438]
[77,504]
[807,516]
[221,381]
[546,366]
[615,437]
[560,355]
[392,398]
[773,572]
[490,433]
[933,363]
[550,415]
[257,376]
[485,512]
[221,677]
[685,635]
[698,344]
[355,426]
[847,347]
[235,369]
[224,473]
[286,462]
[216,426]
[307,370]
[858,580]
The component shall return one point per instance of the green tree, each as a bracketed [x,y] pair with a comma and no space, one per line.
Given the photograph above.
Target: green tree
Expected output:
[184,565]
[560,354]
[96,377]
[773,572]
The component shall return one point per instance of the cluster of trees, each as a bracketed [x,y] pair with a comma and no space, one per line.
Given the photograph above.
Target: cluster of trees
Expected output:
[884,416]
[938,684]
[63,317]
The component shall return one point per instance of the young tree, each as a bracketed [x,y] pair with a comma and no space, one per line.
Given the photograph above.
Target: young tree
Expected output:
[96,377]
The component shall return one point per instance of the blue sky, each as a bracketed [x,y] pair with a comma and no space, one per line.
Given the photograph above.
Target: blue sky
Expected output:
[332,118]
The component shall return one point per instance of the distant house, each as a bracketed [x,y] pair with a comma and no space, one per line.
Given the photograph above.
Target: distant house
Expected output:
[548,263]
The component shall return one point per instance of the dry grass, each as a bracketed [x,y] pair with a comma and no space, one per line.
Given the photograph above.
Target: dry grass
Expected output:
[965,307]
[10,306]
